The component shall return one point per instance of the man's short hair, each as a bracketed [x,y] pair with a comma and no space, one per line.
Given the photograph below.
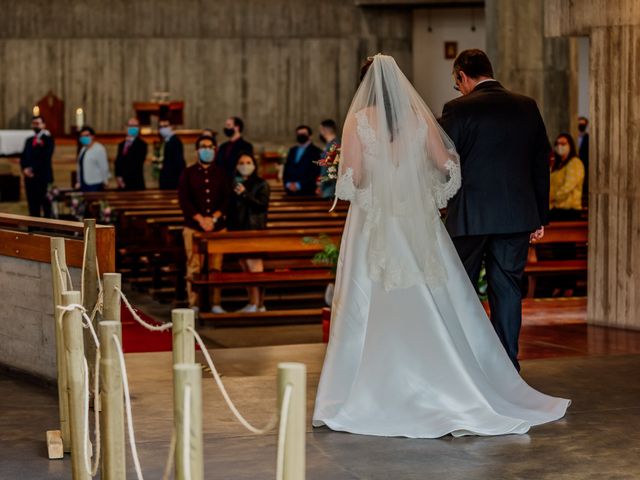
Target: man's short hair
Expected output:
[237,121]
[86,128]
[330,124]
[307,127]
[579,118]
[205,137]
[38,117]
[474,63]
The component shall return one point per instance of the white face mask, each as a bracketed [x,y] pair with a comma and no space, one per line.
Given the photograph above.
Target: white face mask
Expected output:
[562,150]
[246,169]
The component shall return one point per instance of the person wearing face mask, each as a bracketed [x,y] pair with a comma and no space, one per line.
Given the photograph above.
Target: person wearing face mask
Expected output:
[35,163]
[132,153]
[173,157]
[93,164]
[567,178]
[230,151]
[328,136]
[248,211]
[301,170]
[203,193]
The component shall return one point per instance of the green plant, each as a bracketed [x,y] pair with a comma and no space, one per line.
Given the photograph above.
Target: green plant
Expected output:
[329,254]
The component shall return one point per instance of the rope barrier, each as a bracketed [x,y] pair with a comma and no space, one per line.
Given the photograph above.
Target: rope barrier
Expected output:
[186,433]
[58,267]
[127,401]
[216,376]
[282,432]
[148,326]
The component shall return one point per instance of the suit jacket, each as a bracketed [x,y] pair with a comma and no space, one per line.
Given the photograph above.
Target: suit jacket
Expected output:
[305,172]
[249,210]
[504,154]
[130,166]
[229,153]
[38,157]
[172,164]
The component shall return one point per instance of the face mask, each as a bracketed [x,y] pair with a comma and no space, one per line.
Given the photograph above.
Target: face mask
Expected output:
[165,132]
[582,127]
[37,130]
[562,150]
[302,138]
[246,169]
[206,155]
[229,132]
[84,140]
[133,131]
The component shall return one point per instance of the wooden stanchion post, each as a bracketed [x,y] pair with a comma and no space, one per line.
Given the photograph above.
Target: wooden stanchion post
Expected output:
[59,282]
[111,298]
[90,287]
[294,374]
[74,348]
[184,350]
[112,401]
[188,374]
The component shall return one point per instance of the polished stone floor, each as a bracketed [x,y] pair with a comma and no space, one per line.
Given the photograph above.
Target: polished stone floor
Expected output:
[598,439]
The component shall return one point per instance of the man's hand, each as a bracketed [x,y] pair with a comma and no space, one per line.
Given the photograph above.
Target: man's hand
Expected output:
[76,186]
[28,172]
[206,224]
[537,235]
[239,189]
[120,182]
[292,186]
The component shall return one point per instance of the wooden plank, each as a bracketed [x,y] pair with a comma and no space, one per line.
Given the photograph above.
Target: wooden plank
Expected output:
[263,279]
[31,246]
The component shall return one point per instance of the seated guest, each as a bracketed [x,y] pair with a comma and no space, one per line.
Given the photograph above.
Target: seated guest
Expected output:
[93,164]
[567,177]
[35,163]
[132,153]
[248,211]
[203,192]
[231,150]
[301,170]
[328,136]
[173,157]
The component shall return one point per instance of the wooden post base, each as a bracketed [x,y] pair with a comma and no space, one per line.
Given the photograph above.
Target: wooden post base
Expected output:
[54,445]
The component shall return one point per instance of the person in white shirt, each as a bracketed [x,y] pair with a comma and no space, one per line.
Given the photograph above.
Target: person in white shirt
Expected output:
[93,164]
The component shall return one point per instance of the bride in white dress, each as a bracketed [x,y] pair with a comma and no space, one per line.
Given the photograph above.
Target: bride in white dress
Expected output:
[411,352]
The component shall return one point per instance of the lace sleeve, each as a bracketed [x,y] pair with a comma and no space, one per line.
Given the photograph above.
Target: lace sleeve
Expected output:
[445,191]
[345,188]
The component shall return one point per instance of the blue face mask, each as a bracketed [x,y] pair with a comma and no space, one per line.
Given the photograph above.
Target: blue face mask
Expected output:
[133,131]
[85,140]
[206,155]
[165,132]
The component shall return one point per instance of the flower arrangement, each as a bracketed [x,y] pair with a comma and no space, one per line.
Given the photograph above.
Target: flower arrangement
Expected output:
[76,206]
[330,162]
[54,197]
[106,212]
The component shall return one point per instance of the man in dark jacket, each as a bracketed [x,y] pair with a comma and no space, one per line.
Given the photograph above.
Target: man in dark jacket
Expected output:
[173,157]
[35,163]
[230,151]
[132,153]
[504,200]
[301,170]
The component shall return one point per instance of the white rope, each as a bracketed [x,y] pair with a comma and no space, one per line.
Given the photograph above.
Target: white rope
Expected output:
[127,398]
[186,433]
[148,326]
[282,433]
[225,395]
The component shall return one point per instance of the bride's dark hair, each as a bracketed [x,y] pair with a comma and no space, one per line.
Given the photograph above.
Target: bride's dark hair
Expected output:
[391,123]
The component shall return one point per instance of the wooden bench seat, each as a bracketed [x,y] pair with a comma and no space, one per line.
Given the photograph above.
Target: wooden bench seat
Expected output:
[301,315]
[296,278]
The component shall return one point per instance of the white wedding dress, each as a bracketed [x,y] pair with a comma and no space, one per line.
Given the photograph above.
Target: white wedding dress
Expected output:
[411,351]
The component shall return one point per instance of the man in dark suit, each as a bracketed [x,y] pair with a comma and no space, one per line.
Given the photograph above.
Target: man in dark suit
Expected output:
[504,200]
[301,170]
[173,157]
[583,152]
[132,153]
[35,163]
[231,150]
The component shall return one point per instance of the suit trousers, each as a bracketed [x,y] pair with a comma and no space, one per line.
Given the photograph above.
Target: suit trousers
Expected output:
[505,257]
[37,200]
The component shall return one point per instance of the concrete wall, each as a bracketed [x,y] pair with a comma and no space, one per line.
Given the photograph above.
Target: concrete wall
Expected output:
[27,333]
[431,70]
[276,63]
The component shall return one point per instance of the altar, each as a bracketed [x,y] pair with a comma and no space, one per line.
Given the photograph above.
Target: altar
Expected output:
[12,141]
[173,110]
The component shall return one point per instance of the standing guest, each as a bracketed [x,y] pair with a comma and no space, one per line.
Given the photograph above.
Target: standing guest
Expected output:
[248,211]
[203,192]
[35,163]
[567,178]
[173,157]
[301,170]
[132,153]
[93,164]
[328,136]
[583,151]
[231,150]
